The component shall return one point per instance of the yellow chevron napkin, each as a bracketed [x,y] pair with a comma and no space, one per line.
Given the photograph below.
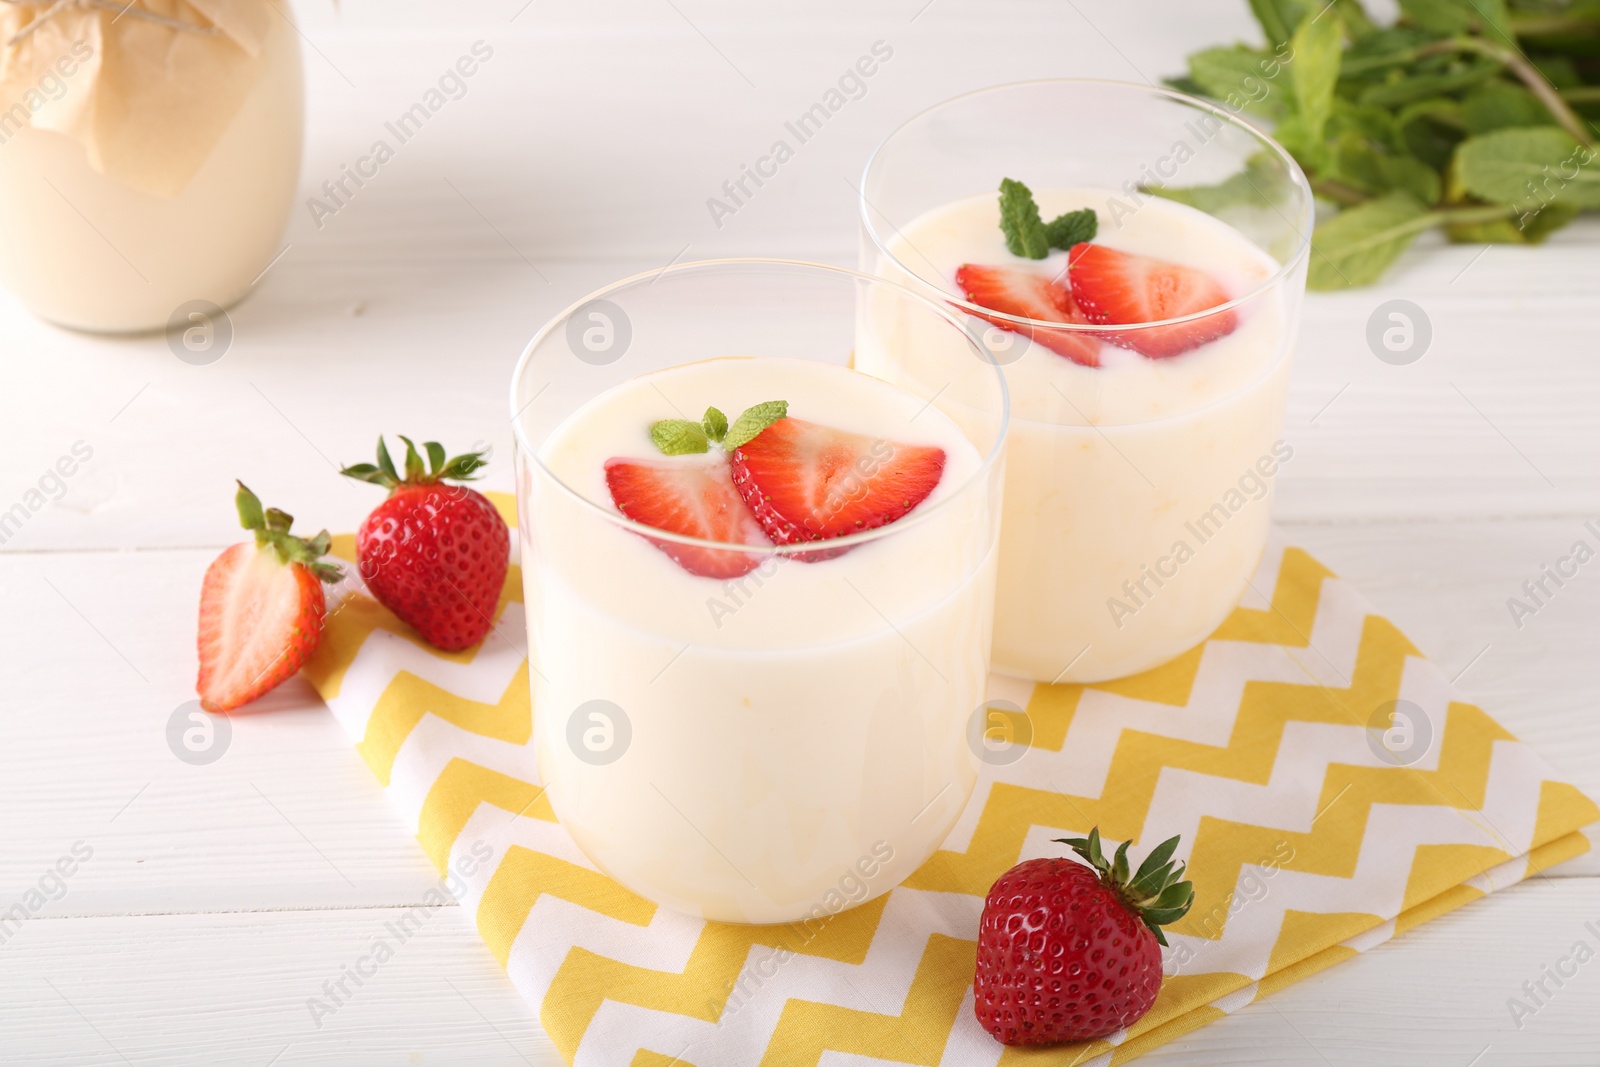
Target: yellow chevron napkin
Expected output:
[1331,789]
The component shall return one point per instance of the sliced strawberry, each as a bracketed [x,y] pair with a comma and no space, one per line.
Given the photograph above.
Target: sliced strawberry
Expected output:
[1030,295]
[1119,287]
[691,499]
[261,608]
[807,482]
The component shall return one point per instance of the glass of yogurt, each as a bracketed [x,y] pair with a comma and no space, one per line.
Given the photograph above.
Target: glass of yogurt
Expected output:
[759,583]
[1136,259]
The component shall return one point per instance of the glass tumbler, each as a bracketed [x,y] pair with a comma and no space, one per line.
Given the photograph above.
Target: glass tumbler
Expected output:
[793,733]
[1139,473]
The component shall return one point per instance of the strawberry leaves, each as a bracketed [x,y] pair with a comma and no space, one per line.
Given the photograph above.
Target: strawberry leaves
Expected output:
[1156,892]
[438,468]
[271,527]
[1028,235]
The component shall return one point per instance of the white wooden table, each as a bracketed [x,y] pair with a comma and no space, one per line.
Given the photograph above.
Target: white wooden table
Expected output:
[218,899]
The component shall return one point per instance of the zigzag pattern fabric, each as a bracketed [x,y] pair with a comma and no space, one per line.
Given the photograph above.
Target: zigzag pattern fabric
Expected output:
[1307,841]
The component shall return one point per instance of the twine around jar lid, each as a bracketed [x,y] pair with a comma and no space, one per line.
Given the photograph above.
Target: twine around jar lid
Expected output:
[55,7]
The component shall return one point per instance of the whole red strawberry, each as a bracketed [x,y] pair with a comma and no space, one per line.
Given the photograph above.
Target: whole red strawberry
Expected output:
[1069,951]
[261,607]
[434,554]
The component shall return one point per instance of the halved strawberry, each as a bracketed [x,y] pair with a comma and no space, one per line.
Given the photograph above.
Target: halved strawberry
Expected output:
[261,608]
[808,482]
[692,499]
[1120,287]
[1030,295]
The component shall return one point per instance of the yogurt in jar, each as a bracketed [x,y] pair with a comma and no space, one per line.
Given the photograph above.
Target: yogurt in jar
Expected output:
[1138,491]
[775,745]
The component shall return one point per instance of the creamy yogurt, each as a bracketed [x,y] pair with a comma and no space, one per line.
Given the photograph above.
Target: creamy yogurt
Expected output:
[1137,492]
[775,746]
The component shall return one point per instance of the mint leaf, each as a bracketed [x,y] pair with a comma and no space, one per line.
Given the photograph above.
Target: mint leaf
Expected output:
[1317,46]
[1020,222]
[1498,104]
[1074,227]
[678,437]
[1262,184]
[1430,129]
[752,422]
[1408,88]
[1450,17]
[715,424]
[1279,18]
[1530,229]
[1237,76]
[1357,163]
[1358,244]
[1527,167]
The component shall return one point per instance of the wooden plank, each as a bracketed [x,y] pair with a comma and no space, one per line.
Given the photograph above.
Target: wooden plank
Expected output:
[262,989]
[202,989]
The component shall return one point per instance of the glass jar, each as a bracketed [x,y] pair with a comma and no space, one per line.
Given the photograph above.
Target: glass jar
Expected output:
[83,250]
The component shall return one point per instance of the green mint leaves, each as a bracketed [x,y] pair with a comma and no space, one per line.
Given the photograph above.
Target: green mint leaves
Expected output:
[680,437]
[1020,221]
[1028,235]
[753,421]
[1477,117]
[715,424]
[1075,227]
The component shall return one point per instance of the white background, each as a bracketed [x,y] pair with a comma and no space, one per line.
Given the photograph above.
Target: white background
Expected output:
[220,898]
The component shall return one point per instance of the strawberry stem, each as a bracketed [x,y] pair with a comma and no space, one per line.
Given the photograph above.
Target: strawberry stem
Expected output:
[271,527]
[462,468]
[1156,892]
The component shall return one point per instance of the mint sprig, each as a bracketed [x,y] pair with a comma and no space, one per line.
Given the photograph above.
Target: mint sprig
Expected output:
[681,437]
[1480,117]
[1028,235]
